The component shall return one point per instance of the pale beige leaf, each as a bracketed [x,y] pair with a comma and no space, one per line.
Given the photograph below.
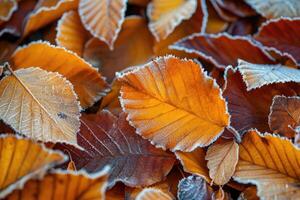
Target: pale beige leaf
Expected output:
[222,158]
[166,15]
[278,191]
[41,105]
[258,75]
[103,18]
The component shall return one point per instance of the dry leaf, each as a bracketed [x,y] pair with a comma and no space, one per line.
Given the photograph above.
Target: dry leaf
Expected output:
[215,24]
[153,193]
[166,15]
[208,46]
[64,185]
[194,188]
[45,12]
[276,8]
[167,107]
[7,8]
[103,19]
[88,83]
[71,33]
[127,52]
[111,101]
[222,158]
[284,115]
[139,2]
[22,159]
[249,194]
[271,163]
[41,105]
[238,8]
[107,139]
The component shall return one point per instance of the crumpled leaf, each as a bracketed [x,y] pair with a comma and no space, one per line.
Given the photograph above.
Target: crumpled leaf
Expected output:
[258,75]
[7,8]
[41,105]
[107,139]
[21,159]
[222,158]
[88,83]
[276,8]
[71,33]
[103,19]
[284,117]
[166,15]
[281,34]
[271,163]
[223,49]
[167,107]
[65,184]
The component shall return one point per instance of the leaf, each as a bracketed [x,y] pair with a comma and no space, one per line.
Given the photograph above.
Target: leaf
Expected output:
[45,12]
[239,8]
[275,9]
[65,184]
[194,162]
[258,75]
[194,188]
[222,158]
[71,33]
[127,52]
[250,109]
[21,159]
[208,46]
[249,193]
[284,115]
[271,163]
[153,193]
[215,23]
[7,8]
[281,34]
[108,140]
[167,107]
[139,2]
[41,105]
[103,19]
[111,101]
[166,15]
[88,83]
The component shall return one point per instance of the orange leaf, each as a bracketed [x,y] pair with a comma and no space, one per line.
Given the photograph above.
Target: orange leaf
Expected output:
[164,100]
[22,159]
[88,83]
[65,184]
[7,8]
[103,19]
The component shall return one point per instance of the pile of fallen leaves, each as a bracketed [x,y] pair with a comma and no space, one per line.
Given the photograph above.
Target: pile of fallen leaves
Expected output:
[147,100]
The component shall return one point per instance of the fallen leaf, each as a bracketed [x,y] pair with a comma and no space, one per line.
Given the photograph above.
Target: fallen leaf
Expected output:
[7,8]
[111,101]
[239,8]
[103,19]
[271,163]
[258,75]
[22,159]
[107,139]
[41,105]
[139,2]
[284,115]
[166,107]
[208,46]
[215,24]
[88,83]
[71,33]
[153,193]
[65,184]
[249,193]
[222,158]
[277,8]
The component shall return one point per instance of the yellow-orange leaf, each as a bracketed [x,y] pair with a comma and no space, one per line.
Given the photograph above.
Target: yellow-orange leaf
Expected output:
[88,83]
[166,15]
[71,33]
[7,7]
[270,162]
[41,105]
[67,185]
[45,12]
[103,19]
[153,193]
[173,103]
[222,158]
[21,159]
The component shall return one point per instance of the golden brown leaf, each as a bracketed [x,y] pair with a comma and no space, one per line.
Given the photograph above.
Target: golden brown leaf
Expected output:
[21,159]
[7,7]
[71,33]
[88,83]
[249,194]
[271,163]
[41,105]
[64,185]
[222,158]
[111,101]
[103,19]
[154,193]
[165,101]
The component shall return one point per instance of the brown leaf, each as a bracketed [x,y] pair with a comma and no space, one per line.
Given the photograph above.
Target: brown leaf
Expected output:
[7,8]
